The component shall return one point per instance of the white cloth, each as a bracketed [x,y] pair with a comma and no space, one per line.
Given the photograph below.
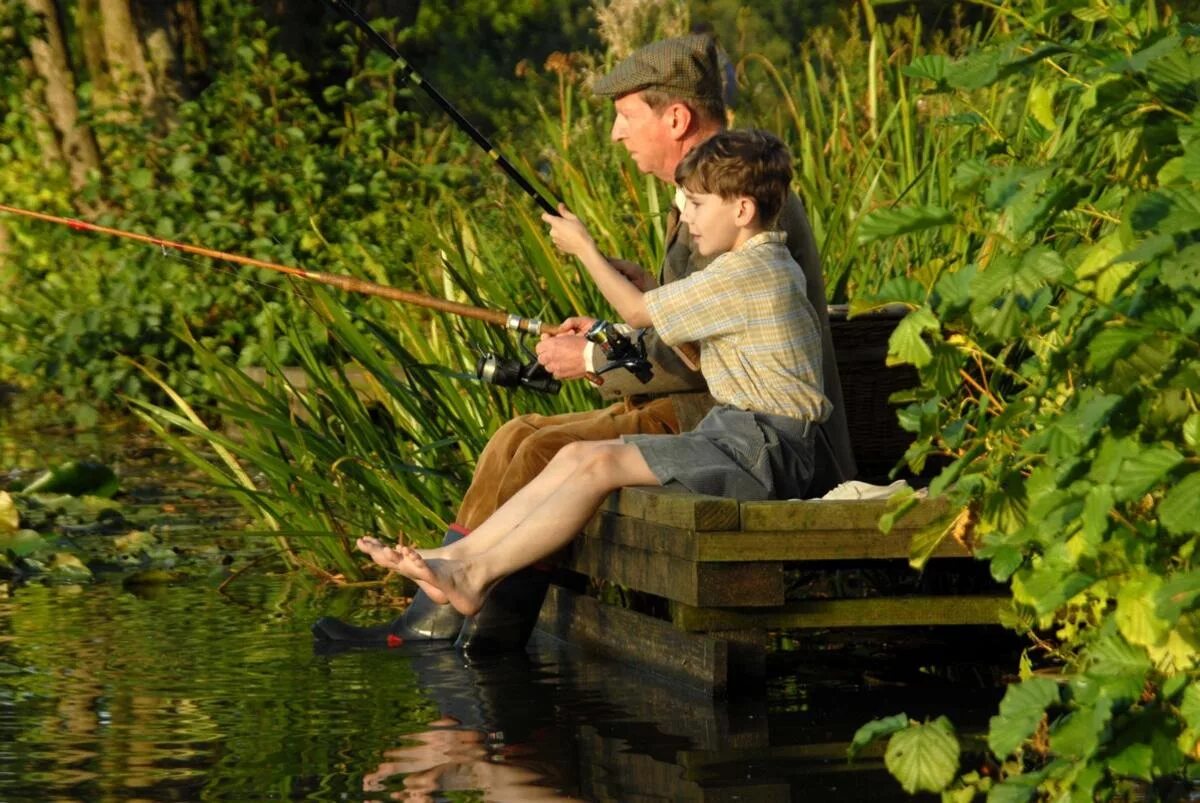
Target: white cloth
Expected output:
[854,489]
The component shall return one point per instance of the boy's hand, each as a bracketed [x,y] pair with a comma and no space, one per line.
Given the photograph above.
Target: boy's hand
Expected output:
[568,233]
[638,276]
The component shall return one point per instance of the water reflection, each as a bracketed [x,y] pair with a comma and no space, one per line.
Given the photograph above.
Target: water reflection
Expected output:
[188,694]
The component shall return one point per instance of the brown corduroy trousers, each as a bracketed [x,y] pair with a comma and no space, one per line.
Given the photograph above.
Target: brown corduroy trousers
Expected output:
[522,447]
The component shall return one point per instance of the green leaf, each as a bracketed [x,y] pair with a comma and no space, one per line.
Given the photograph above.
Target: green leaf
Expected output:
[1111,657]
[890,222]
[1096,507]
[1179,511]
[1189,705]
[140,178]
[924,758]
[1021,710]
[1078,735]
[931,67]
[1136,614]
[1113,342]
[1144,471]
[1192,431]
[1135,761]
[875,729]
[905,345]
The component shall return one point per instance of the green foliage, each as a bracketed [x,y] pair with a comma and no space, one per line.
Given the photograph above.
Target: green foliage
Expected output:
[923,757]
[1064,289]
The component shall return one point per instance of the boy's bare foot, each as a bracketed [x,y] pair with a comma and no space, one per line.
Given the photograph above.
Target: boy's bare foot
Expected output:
[450,576]
[389,558]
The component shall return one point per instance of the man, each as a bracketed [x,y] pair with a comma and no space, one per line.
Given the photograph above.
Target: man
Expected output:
[668,99]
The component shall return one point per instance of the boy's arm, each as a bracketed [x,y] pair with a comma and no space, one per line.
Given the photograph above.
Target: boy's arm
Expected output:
[572,237]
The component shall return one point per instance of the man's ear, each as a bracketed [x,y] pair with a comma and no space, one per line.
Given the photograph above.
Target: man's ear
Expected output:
[746,211]
[679,120]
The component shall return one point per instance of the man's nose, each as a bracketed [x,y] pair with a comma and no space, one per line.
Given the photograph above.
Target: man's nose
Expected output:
[618,130]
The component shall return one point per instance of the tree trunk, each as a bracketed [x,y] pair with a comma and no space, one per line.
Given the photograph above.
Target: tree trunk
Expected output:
[50,59]
[123,49]
[91,38]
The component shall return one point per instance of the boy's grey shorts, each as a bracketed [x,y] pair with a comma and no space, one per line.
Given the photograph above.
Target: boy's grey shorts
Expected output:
[736,453]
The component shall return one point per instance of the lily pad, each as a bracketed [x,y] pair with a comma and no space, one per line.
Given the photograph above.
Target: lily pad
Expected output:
[77,478]
[65,567]
[21,543]
[10,519]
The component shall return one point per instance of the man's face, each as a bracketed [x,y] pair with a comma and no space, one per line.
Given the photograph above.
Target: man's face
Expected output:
[646,134]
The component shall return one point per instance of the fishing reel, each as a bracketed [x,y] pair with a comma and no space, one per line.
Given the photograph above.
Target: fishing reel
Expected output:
[508,372]
[620,350]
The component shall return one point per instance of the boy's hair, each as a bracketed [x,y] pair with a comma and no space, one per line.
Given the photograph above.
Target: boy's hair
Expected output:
[747,162]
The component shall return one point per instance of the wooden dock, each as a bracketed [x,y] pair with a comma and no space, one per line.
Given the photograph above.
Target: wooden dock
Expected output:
[714,575]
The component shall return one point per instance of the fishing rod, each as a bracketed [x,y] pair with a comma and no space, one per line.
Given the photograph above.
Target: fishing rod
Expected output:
[489,368]
[462,122]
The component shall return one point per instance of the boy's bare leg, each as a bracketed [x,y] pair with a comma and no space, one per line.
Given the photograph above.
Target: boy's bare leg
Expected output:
[551,480]
[596,470]
[389,558]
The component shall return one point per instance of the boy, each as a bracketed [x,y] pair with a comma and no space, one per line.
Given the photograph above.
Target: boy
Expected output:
[760,354]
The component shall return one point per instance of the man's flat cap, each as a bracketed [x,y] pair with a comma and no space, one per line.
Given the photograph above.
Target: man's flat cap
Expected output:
[685,67]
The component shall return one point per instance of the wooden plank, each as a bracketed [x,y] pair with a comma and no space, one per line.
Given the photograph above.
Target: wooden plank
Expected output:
[641,534]
[811,545]
[675,507]
[700,584]
[735,547]
[870,612]
[699,662]
[818,514]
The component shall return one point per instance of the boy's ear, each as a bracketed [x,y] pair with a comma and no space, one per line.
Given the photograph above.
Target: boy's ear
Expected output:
[745,211]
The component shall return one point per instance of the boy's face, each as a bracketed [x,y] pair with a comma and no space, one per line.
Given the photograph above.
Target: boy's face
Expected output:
[716,224]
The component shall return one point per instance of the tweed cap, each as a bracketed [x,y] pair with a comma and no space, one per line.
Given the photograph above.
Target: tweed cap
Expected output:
[686,67]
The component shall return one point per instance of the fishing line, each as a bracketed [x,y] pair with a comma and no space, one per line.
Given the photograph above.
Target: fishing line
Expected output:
[462,122]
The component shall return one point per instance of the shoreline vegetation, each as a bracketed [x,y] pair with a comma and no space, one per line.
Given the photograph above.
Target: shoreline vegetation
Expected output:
[1023,176]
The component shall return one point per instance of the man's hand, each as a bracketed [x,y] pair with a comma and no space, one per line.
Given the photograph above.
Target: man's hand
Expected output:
[638,276]
[562,354]
[576,325]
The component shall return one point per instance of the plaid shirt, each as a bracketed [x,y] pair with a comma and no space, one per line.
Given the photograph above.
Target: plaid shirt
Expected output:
[760,347]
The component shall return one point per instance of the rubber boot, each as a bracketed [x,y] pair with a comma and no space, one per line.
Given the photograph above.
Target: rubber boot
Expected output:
[423,620]
[508,614]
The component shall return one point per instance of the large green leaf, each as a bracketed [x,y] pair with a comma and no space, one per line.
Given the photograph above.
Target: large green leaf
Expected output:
[905,344]
[875,729]
[1021,710]
[905,220]
[924,758]
[1144,471]
[1078,735]
[1179,510]
[1113,342]
[1136,614]
[1112,657]
[930,66]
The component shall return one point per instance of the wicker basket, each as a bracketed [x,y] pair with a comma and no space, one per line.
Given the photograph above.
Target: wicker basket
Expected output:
[861,349]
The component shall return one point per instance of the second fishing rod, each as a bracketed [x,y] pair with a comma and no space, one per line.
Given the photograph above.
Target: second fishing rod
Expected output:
[621,350]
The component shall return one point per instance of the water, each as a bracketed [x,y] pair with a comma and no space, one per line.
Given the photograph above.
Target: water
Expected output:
[124,691]
[116,693]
